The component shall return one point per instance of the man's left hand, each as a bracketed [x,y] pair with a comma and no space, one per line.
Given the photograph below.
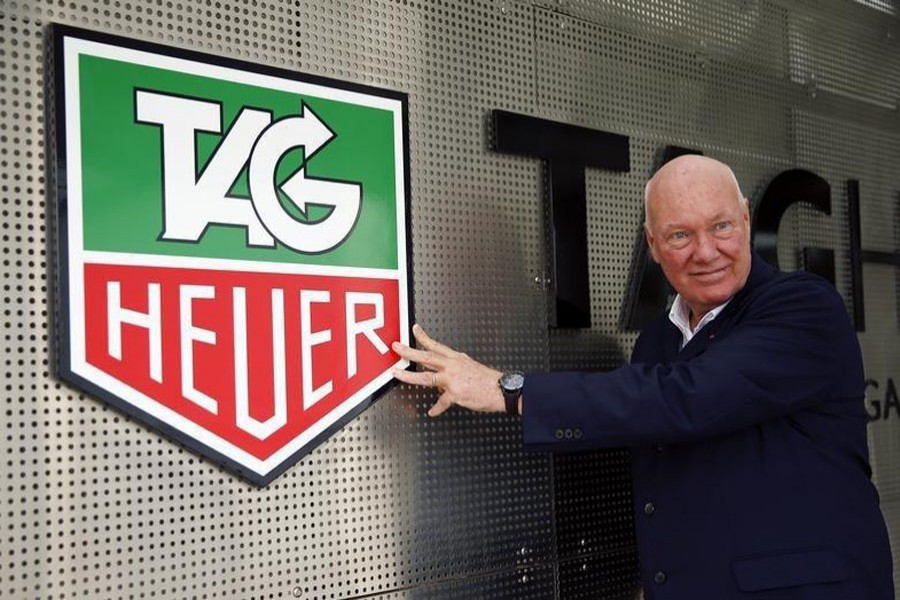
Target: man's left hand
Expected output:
[460,379]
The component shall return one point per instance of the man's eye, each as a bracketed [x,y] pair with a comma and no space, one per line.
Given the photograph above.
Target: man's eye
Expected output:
[723,225]
[678,238]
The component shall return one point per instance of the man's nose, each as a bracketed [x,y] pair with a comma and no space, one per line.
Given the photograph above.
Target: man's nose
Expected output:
[706,250]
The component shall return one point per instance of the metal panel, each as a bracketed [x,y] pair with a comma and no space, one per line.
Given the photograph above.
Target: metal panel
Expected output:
[397,505]
[394,500]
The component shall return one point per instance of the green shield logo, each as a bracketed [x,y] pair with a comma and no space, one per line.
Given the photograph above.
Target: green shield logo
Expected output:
[234,257]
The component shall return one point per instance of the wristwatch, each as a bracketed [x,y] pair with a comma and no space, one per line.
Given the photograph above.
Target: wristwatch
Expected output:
[511,384]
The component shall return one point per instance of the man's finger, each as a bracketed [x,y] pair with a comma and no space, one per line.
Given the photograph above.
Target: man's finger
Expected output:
[442,404]
[425,358]
[424,378]
[425,341]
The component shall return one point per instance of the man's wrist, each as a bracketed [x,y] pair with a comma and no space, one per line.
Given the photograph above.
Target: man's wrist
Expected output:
[511,384]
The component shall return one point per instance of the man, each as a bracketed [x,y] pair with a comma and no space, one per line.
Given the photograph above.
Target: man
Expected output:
[743,408]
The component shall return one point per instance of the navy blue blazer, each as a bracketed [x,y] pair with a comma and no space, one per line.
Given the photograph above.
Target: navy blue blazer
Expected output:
[750,465]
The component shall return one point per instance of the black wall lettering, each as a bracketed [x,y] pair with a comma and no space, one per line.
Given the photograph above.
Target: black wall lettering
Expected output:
[788,187]
[566,150]
[856,259]
[859,256]
[890,399]
[819,261]
[874,403]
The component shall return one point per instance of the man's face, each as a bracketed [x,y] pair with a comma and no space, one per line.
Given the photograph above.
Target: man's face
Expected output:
[698,231]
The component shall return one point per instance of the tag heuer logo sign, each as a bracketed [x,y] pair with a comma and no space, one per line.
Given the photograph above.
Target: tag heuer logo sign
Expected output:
[233,246]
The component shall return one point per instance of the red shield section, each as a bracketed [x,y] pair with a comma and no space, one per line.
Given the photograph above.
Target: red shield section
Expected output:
[176,337]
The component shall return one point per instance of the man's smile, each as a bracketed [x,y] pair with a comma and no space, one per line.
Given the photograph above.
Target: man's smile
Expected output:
[710,275]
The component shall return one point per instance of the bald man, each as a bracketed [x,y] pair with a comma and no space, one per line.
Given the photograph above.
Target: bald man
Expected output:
[742,407]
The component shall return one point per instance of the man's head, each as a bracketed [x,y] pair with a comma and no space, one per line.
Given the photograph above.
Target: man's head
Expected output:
[698,229]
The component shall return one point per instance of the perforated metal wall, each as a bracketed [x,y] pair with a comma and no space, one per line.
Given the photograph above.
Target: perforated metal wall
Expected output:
[396,505]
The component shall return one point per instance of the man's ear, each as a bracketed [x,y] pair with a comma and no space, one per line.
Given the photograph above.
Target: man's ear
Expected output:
[650,243]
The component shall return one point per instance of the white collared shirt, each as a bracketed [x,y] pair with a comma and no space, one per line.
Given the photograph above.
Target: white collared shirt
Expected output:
[680,315]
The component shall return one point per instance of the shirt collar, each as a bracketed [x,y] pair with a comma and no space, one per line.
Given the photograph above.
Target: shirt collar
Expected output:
[680,314]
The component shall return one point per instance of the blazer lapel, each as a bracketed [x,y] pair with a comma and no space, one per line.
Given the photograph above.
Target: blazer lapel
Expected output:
[671,343]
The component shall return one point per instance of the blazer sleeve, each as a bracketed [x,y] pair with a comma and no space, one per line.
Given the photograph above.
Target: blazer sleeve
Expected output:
[792,348]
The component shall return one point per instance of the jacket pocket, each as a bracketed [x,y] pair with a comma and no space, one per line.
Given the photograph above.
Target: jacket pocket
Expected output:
[788,569]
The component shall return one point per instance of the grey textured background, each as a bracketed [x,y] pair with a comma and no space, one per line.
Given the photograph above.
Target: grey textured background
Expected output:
[93,505]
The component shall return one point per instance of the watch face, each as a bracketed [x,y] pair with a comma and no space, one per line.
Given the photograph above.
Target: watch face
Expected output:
[512,381]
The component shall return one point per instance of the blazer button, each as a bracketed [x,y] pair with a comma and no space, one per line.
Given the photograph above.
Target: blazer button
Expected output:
[649,508]
[577,434]
[568,434]
[659,578]
[559,434]
[659,447]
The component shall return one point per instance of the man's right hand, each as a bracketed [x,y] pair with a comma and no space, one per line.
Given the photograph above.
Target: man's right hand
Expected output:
[460,379]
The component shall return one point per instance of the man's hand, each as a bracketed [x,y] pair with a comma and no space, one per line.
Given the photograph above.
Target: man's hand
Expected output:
[460,379]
